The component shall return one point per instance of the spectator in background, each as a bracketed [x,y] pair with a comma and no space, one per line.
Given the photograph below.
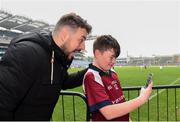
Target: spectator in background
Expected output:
[34,69]
[102,87]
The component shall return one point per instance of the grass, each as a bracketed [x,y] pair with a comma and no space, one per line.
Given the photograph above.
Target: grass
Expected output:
[134,76]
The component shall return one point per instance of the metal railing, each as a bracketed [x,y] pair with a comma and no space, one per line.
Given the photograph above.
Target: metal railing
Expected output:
[163,102]
[73,95]
[152,110]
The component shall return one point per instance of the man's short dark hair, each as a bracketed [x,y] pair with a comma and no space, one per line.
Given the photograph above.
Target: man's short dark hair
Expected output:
[74,21]
[106,42]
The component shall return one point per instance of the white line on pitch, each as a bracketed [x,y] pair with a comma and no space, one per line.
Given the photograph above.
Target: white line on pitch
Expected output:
[163,89]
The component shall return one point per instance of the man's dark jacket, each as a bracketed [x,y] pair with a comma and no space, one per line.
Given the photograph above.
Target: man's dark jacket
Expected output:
[26,90]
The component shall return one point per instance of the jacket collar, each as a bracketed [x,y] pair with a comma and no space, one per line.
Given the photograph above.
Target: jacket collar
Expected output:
[60,56]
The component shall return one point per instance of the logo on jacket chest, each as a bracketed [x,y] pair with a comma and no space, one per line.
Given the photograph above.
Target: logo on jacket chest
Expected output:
[112,85]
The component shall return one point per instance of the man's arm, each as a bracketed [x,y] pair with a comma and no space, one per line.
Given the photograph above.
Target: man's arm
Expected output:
[74,79]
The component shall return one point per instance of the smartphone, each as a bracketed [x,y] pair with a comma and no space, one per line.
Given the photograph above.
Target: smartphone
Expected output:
[150,76]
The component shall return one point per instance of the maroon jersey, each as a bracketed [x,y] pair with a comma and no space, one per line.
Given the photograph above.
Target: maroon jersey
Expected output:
[102,89]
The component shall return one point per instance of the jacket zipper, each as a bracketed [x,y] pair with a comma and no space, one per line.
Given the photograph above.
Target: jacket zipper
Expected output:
[52,67]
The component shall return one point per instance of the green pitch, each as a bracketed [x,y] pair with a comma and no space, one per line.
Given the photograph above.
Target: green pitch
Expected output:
[129,77]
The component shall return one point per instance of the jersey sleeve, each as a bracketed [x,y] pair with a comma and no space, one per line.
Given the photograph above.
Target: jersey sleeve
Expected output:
[95,92]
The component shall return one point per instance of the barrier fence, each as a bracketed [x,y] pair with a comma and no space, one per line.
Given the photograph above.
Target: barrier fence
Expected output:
[163,105]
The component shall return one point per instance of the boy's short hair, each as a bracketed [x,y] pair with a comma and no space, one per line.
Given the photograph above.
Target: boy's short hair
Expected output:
[74,21]
[106,42]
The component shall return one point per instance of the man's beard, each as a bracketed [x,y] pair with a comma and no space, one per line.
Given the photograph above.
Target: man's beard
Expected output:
[68,54]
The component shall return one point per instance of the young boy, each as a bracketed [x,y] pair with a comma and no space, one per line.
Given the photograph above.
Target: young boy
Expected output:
[102,87]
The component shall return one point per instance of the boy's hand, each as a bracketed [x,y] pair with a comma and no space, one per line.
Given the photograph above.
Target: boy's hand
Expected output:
[145,93]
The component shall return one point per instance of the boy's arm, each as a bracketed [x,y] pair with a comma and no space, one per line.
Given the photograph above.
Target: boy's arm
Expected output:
[117,110]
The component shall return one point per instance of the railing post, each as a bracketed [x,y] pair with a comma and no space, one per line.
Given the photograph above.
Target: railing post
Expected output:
[157,104]
[167,104]
[175,105]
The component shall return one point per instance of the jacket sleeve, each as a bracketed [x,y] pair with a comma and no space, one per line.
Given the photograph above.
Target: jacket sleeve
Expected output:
[15,79]
[74,80]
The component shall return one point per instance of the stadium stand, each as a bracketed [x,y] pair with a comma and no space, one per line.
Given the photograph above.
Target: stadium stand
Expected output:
[20,23]
[14,25]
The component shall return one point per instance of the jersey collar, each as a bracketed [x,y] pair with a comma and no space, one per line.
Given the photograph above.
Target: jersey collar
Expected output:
[101,73]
